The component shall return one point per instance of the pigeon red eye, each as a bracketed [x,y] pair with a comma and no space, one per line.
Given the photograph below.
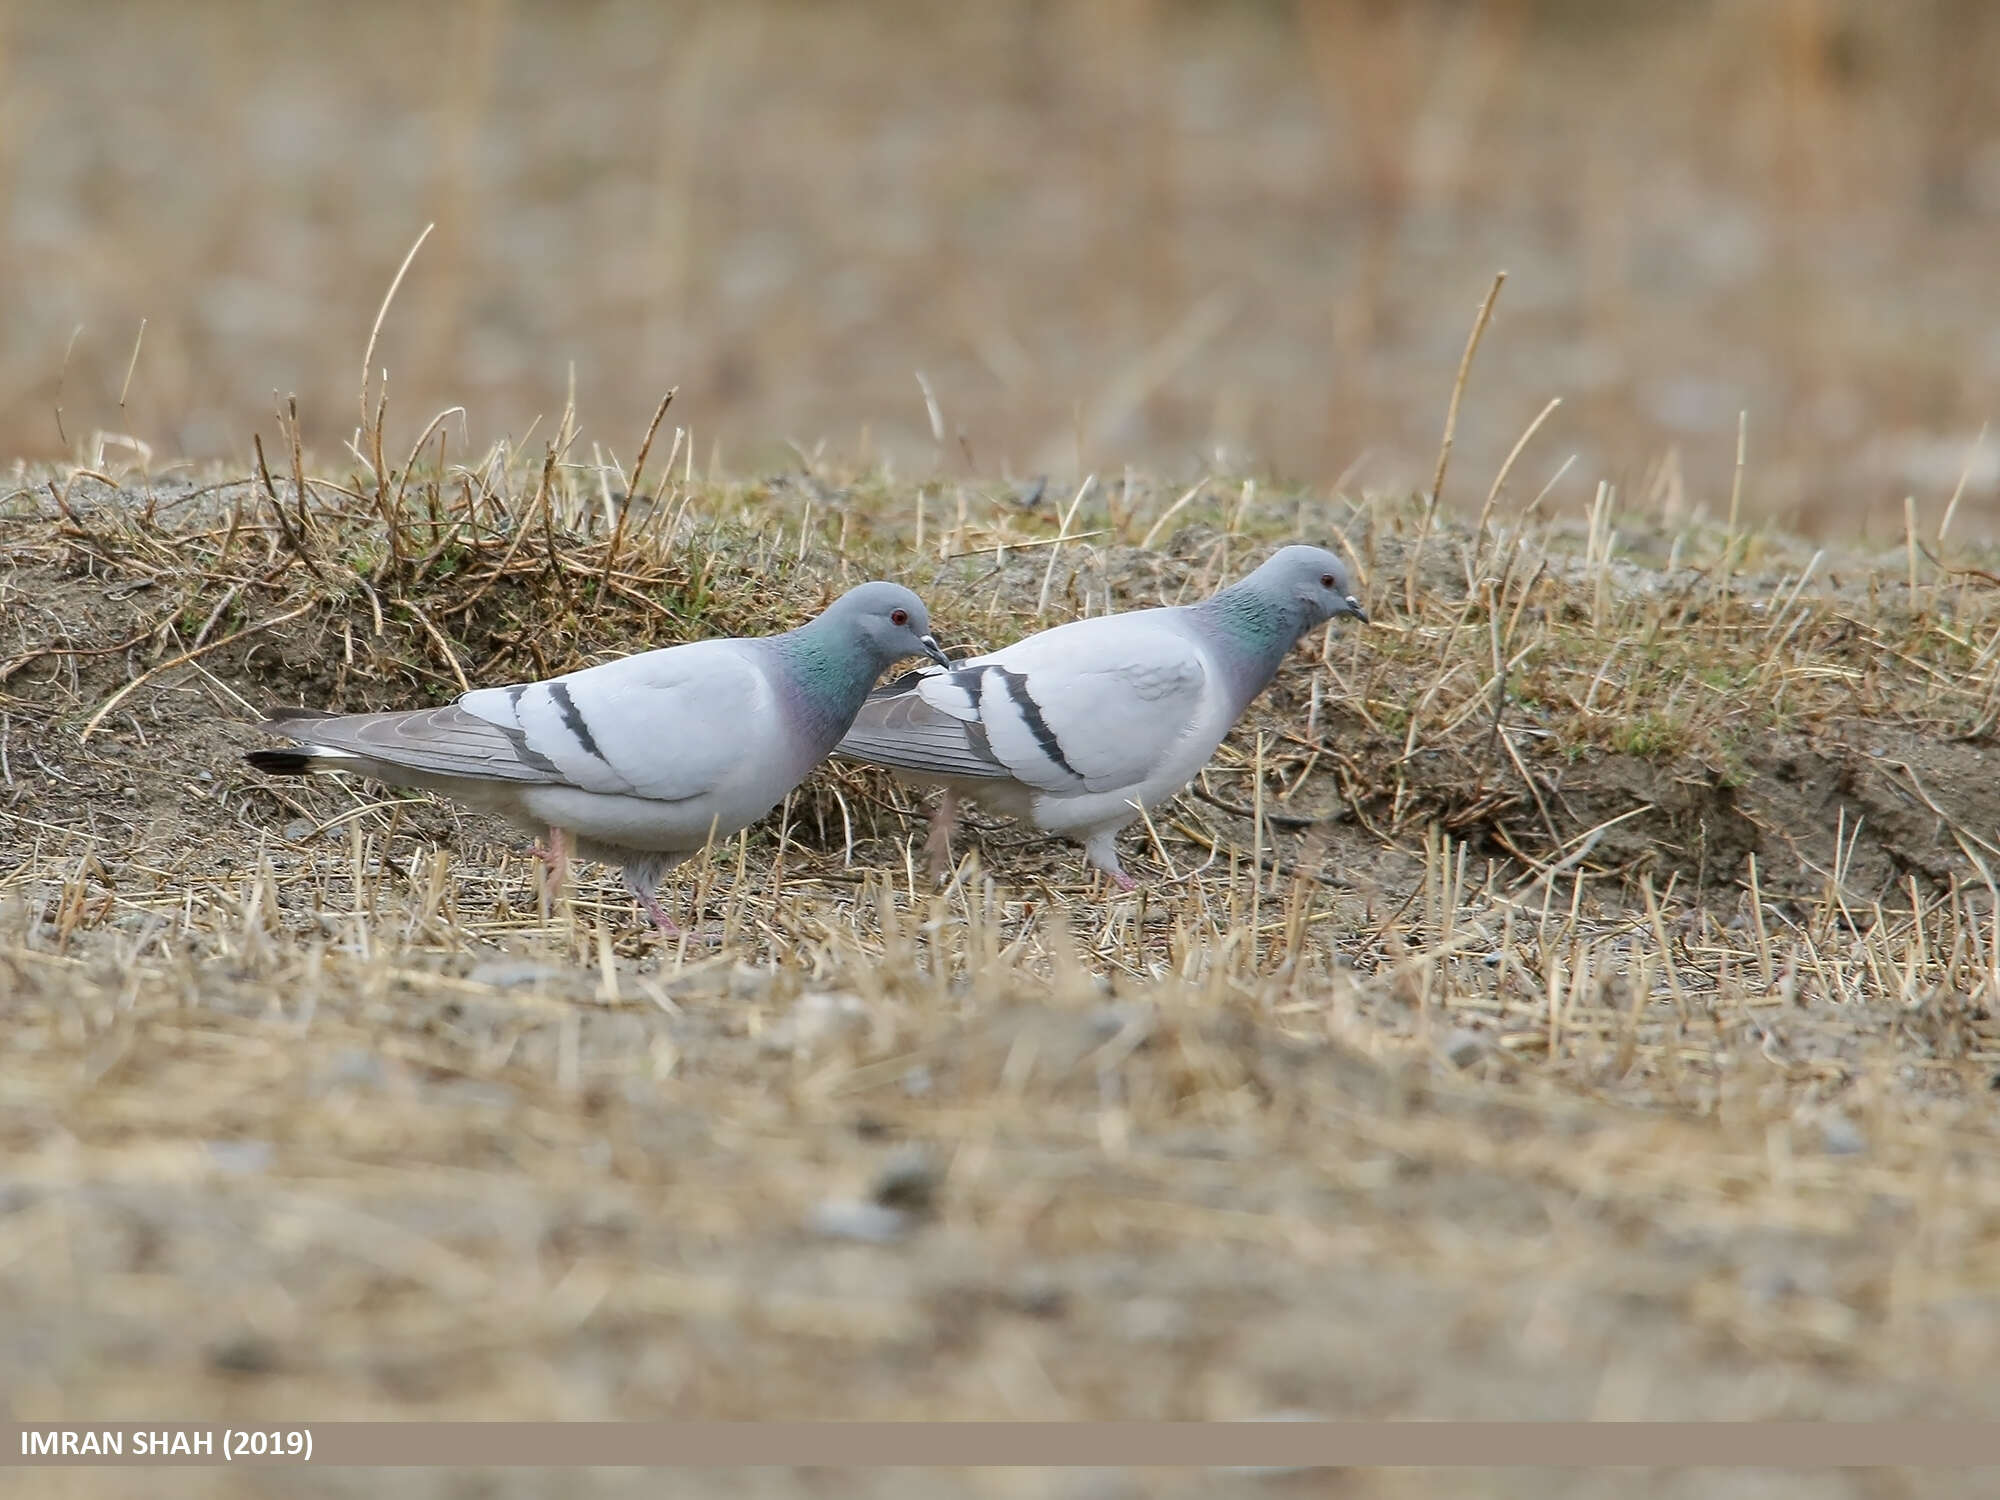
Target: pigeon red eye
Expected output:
[1326,580]
[899,617]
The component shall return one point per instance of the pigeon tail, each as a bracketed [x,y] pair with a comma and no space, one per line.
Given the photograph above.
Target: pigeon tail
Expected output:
[282,762]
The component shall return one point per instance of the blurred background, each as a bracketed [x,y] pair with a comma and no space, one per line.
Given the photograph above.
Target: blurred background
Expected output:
[1107,232]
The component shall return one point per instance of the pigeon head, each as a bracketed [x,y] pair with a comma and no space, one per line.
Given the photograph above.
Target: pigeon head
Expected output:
[886,621]
[1257,619]
[1313,580]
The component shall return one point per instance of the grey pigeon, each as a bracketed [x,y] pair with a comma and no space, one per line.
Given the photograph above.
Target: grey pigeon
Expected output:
[1077,727]
[643,760]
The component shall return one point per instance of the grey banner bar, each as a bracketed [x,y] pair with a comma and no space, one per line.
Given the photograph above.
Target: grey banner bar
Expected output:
[984,1444]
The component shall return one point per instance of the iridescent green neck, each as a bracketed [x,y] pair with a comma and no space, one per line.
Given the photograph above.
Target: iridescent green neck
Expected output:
[1255,629]
[828,675]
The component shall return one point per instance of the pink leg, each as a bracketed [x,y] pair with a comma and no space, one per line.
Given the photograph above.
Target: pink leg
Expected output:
[658,913]
[1101,852]
[555,859]
[937,847]
[554,855]
[641,881]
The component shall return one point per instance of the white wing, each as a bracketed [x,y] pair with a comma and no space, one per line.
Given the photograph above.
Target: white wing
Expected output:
[1087,707]
[666,725]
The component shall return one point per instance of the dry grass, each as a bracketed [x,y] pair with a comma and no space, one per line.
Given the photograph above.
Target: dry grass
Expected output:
[1570,996]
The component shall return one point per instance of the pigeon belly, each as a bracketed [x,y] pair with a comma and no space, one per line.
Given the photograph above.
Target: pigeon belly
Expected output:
[646,824]
[1095,812]
[1081,814]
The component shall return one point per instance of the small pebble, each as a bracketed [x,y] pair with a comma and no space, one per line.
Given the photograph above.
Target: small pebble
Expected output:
[354,1068]
[1109,1021]
[1464,1048]
[245,1355]
[1037,1297]
[1768,1283]
[15,1196]
[747,983]
[479,1093]
[908,1182]
[1842,1137]
[241,1158]
[1154,1320]
[512,973]
[815,1018]
[849,1219]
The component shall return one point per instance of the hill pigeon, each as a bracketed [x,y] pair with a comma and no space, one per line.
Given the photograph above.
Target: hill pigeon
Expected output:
[641,760]
[1077,727]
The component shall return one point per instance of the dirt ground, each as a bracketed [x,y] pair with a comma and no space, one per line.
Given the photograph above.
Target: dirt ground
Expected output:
[1480,1104]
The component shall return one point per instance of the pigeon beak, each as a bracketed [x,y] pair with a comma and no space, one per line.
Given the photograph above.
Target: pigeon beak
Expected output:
[934,651]
[1354,608]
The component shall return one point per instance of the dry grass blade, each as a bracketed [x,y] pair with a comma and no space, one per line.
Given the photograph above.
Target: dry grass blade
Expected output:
[1479,323]
[381,315]
[632,486]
